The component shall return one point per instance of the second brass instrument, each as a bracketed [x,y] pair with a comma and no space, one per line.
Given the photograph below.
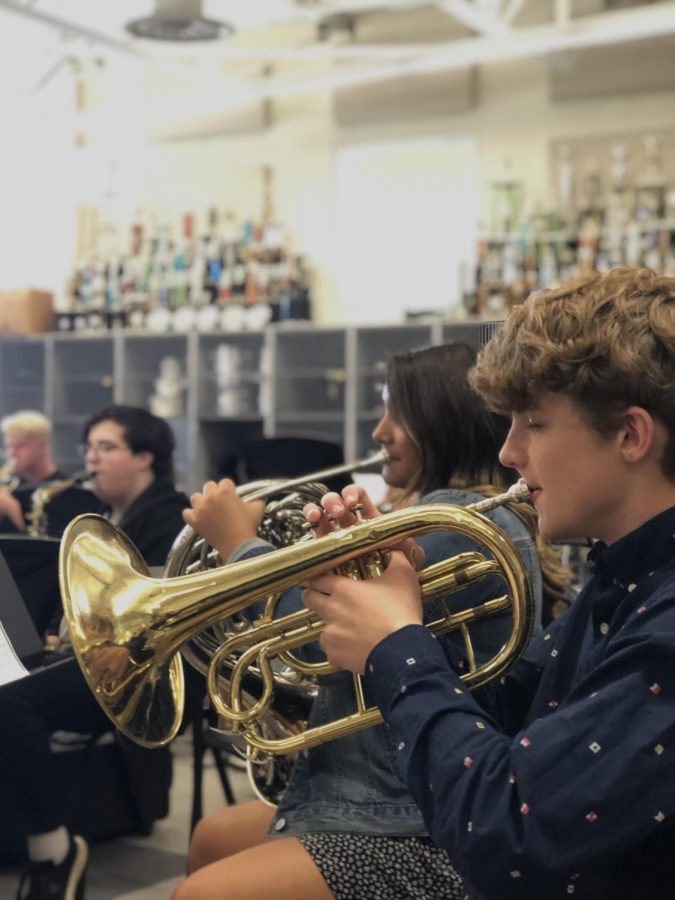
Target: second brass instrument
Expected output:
[282,525]
[127,628]
[37,520]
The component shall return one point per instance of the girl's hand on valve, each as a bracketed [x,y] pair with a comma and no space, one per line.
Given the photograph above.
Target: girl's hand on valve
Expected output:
[339,511]
[222,518]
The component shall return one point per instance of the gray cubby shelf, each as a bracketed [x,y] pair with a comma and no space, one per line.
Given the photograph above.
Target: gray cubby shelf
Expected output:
[138,365]
[322,382]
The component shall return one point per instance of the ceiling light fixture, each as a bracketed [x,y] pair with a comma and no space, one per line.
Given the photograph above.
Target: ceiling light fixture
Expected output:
[178,20]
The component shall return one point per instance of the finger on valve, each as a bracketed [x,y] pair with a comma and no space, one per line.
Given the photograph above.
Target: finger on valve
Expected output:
[354,495]
[320,522]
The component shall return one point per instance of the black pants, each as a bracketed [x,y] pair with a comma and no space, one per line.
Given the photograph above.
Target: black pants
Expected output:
[31,709]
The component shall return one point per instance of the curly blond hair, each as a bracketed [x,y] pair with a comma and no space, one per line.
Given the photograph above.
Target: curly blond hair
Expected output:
[605,341]
[26,423]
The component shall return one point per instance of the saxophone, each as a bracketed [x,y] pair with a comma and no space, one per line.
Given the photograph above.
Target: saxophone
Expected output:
[37,519]
[9,479]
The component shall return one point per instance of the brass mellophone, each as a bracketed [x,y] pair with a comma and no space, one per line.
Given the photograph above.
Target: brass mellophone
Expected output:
[127,628]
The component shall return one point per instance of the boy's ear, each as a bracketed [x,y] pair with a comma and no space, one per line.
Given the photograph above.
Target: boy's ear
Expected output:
[146,458]
[637,434]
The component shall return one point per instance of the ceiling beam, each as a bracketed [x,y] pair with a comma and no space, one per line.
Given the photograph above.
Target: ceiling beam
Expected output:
[478,17]
[535,41]
[511,10]
[608,27]
[67,27]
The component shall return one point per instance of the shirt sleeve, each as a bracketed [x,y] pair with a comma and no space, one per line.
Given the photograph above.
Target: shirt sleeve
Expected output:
[551,800]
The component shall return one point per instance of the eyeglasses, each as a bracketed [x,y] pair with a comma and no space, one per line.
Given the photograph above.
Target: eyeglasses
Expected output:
[101,447]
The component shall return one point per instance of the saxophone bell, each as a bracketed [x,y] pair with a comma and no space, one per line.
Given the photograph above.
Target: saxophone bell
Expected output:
[37,519]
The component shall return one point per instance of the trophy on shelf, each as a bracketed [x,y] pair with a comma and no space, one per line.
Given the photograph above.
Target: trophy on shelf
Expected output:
[619,167]
[591,185]
[507,202]
[591,214]
[619,200]
[650,190]
[228,363]
[167,400]
[564,181]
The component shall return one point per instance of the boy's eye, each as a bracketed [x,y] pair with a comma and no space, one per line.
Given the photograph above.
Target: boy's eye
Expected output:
[533,424]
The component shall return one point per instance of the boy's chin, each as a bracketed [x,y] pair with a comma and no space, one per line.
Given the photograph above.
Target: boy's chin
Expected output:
[557,534]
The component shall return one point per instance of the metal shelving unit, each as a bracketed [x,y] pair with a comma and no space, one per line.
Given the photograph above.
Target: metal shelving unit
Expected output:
[284,381]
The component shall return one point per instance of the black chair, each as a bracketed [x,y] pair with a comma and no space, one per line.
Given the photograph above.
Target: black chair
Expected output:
[291,457]
[198,718]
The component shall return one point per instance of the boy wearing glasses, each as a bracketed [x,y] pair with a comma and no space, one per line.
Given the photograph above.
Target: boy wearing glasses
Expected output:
[128,453]
[557,781]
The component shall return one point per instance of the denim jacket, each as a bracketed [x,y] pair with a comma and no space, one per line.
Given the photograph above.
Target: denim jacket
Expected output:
[353,784]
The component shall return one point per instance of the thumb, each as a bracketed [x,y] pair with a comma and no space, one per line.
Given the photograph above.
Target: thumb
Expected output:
[400,566]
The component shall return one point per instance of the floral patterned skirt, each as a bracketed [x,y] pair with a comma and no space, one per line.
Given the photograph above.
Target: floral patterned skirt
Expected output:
[381,867]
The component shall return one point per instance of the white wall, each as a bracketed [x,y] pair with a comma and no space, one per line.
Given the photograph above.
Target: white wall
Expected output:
[515,120]
[406,227]
[37,189]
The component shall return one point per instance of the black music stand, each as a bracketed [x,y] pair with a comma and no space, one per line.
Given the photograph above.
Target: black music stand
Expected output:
[34,563]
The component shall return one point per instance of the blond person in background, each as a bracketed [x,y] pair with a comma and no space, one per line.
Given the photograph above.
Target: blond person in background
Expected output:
[28,457]
[27,439]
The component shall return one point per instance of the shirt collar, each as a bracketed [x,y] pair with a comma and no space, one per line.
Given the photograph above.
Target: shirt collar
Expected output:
[637,553]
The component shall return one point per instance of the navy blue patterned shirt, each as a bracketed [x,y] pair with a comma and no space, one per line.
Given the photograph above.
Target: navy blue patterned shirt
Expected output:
[560,780]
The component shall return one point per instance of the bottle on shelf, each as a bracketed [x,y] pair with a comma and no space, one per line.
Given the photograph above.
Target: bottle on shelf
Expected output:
[172,266]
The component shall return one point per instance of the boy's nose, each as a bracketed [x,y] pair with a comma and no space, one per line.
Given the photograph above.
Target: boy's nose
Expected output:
[512,454]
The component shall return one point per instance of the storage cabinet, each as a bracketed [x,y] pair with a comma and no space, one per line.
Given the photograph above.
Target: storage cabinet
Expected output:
[79,380]
[22,375]
[151,371]
[219,391]
[308,390]
[140,360]
[231,399]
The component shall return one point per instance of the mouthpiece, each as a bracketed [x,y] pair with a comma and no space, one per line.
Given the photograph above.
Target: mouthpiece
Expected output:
[517,491]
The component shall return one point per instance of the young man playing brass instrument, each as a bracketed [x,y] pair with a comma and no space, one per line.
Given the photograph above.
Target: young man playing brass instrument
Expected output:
[557,781]
[26,436]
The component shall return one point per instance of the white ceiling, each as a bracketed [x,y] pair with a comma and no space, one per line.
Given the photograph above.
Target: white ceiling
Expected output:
[284,47]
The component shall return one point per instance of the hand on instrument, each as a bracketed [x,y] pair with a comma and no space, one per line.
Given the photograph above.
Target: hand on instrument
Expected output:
[359,614]
[337,508]
[222,518]
[11,508]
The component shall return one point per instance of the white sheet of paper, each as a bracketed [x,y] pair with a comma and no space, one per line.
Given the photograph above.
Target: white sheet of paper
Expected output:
[11,667]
